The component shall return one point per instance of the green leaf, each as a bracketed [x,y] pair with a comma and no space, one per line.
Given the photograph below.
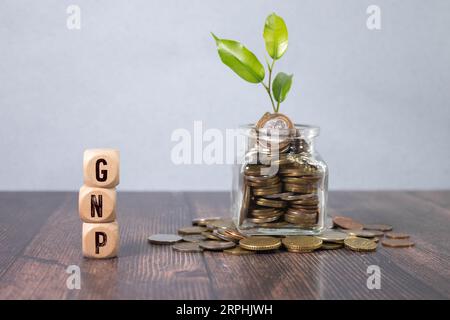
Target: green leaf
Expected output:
[281,86]
[240,60]
[276,36]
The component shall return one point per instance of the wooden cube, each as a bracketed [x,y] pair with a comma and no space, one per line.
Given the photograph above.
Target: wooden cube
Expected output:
[100,240]
[101,168]
[97,205]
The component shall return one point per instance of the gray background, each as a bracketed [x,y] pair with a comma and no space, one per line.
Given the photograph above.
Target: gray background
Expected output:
[137,70]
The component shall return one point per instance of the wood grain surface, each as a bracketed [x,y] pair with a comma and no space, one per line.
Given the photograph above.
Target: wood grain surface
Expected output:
[40,236]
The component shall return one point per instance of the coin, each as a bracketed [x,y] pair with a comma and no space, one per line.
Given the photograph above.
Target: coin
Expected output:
[263,220]
[164,238]
[332,236]
[397,243]
[194,238]
[397,235]
[302,243]
[331,246]
[225,237]
[279,195]
[187,247]
[379,227]
[246,199]
[260,243]
[360,233]
[347,223]
[238,251]
[270,203]
[204,221]
[360,244]
[209,235]
[274,121]
[267,191]
[222,223]
[216,245]
[191,230]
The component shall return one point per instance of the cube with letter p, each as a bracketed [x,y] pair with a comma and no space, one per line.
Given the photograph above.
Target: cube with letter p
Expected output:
[100,240]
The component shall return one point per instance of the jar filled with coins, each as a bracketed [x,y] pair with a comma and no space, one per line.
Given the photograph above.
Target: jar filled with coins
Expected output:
[281,186]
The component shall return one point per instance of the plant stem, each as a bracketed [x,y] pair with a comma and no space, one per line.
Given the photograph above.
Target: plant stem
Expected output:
[270,96]
[269,87]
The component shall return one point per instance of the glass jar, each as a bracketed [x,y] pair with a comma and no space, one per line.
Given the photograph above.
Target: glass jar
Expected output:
[281,186]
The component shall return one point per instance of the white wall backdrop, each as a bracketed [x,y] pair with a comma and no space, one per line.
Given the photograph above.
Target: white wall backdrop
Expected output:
[139,69]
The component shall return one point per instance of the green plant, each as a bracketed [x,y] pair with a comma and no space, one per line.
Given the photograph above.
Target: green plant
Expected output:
[246,65]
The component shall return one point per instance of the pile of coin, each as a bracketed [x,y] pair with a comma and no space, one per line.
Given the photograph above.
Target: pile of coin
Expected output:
[281,182]
[219,234]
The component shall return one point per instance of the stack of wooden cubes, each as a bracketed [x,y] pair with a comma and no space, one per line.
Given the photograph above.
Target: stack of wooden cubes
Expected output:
[97,203]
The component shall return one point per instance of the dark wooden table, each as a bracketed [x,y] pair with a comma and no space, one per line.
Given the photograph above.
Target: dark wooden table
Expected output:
[40,235]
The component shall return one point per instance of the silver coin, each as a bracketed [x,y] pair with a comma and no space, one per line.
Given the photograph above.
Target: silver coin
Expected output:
[164,238]
[187,247]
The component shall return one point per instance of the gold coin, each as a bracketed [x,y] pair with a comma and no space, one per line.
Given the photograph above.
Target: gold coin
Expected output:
[279,195]
[379,227]
[191,230]
[270,203]
[263,220]
[187,247]
[267,191]
[302,243]
[397,243]
[216,245]
[331,246]
[164,238]
[332,236]
[260,243]
[397,235]
[238,251]
[204,221]
[360,244]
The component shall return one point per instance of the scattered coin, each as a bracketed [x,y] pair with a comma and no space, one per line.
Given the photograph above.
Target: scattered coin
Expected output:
[187,247]
[332,236]
[360,233]
[191,230]
[238,251]
[360,244]
[204,221]
[397,243]
[331,246]
[222,224]
[397,235]
[164,238]
[260,243]
[216,245]
[223,236]
[379,227]
[209,235]
[347,223]
[194,237]
[302,243]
